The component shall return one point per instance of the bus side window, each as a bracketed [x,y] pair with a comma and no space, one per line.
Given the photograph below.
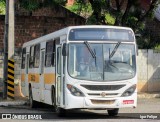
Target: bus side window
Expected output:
[53,55]
[42,62]
[59,60]
[23,58]
[37,56]
[31,58]
[49,56]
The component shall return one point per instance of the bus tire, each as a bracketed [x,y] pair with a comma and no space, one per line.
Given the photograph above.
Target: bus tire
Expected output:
[60,112]
[113,112]
[32,103]
[53,98]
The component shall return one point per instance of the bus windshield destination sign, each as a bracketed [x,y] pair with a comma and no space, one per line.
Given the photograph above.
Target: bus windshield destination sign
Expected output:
[95,34]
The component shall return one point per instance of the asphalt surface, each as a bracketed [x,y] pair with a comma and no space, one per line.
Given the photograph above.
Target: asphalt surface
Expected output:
[147,109]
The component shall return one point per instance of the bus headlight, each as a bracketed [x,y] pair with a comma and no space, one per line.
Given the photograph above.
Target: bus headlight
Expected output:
[129,91]
[75,91]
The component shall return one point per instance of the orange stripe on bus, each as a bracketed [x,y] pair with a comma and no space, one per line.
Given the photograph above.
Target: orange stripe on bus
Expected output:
[49,78]
[22,77]
[33,77]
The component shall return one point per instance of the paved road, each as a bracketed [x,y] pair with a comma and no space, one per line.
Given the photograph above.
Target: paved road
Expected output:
[147,108]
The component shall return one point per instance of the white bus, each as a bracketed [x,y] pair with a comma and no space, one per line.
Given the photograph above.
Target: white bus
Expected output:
[81,67]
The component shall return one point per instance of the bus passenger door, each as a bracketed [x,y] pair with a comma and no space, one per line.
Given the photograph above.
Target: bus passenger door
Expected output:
[59,69]
[42,75]
[23,72]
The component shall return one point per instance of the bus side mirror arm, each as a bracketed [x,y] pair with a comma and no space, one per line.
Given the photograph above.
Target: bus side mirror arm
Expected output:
[65,49]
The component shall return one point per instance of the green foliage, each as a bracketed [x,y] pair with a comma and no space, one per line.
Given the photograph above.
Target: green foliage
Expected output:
[75,8]
[147,39]
[109,19]
[131,21]
[157,47]
[30,5]
[62,2]
[91,20]
[80,8]
[2,7]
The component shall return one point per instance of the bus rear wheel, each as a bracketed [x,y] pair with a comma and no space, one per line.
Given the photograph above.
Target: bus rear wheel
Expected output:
[31,101]
[113,112]
[53,97]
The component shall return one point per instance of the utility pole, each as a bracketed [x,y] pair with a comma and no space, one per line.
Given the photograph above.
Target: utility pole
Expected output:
[5,59]
[11,30]
[8,41]
[10,93]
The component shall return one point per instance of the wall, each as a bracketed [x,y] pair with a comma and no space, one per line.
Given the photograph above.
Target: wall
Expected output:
[31,25]
[148,70]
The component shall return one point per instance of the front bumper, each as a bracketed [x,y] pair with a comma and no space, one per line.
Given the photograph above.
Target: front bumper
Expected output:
[73,102]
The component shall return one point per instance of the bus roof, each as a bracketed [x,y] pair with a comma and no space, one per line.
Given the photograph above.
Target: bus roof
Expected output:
[99,26]
[65,31]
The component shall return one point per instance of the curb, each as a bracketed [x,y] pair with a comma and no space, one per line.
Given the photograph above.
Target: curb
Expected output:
[12,103]
[148,95]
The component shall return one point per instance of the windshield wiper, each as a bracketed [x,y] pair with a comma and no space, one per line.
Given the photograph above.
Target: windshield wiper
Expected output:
[90,49]
[114,50]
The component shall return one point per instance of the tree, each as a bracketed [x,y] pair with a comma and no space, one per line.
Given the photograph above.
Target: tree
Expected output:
[128,13]
[32,5]
[124,12]
[2,7]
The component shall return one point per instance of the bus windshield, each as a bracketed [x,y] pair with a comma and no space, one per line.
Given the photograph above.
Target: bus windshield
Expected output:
[112,62]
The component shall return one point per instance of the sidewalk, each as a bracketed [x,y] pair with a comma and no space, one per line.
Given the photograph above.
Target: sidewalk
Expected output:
[21,101]
[149,95]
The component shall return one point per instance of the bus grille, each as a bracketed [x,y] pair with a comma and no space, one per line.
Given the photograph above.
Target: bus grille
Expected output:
[102,101]
[103,87]
[99,94]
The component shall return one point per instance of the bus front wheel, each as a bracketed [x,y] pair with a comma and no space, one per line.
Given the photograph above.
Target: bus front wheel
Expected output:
[113,112]
[60,112]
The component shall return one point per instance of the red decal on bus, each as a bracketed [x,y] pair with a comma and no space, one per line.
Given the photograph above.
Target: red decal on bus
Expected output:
[128,101]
